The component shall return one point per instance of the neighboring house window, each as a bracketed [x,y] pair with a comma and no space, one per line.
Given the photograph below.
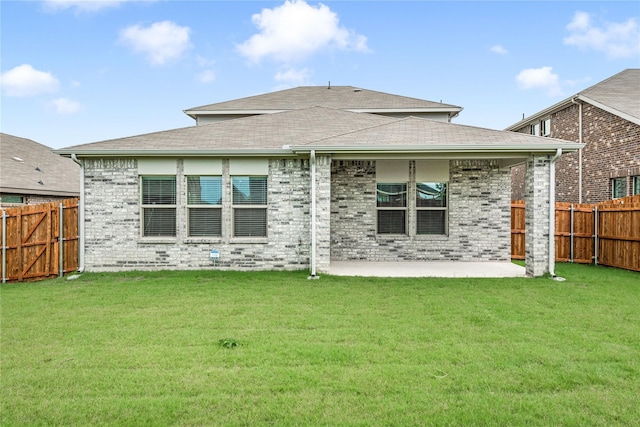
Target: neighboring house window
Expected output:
[159,205]
[535,129]
[249,206]
[545,127]
[204,205]
[6,198]
[431,207]
[636,184]
[392,208]
[619,187]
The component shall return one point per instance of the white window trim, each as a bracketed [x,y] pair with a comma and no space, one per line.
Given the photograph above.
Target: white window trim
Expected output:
[201,206]
[158,239]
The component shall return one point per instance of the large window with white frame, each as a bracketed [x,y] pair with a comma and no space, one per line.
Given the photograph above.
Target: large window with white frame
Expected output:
[391,200]
[204,206]
[249,200]
[431,208]
[158,206]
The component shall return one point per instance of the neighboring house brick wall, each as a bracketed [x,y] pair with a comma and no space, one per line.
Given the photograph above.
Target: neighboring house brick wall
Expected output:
[32,199]
[612,149]
[479,216]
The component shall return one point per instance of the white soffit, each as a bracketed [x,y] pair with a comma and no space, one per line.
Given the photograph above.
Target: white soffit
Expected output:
[157,166]
[203,166]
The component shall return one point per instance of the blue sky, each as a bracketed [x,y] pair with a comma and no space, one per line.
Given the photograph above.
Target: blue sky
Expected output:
[74,72]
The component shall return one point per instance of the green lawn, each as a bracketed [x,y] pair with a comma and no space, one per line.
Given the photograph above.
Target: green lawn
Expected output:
[144,349]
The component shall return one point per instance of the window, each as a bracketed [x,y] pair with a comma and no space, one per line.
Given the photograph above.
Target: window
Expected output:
[431,207]
[545,127]
[204,205]
[8,198]
[535,129]
[392,208]
[636,185]
[159,205]
[618,187]
[249,206]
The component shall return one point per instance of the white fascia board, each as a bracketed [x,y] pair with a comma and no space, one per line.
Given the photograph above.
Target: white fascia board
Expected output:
[175,153]
[463,149]
[611,110]
[195,113]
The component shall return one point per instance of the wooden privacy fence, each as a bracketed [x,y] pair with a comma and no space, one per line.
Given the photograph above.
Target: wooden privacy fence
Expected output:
[39,241]
[606,233]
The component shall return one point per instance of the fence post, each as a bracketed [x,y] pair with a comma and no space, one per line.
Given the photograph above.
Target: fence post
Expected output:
[4,246]
[595,225]
[571,235]
[61,242]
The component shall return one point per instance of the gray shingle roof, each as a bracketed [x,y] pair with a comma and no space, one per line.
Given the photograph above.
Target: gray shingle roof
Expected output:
[310,127]
[620,92]
[19,158]
[341,97]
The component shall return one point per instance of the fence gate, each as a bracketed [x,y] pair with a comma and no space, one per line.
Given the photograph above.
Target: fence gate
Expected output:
[39,241]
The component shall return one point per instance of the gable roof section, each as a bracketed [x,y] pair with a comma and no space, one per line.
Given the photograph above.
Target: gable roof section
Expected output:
[339,97]
[618,95]
[19,158]
[292,132]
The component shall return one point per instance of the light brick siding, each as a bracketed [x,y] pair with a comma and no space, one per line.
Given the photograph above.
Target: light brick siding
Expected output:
[112,213]
[479,220]
[479,216]
[537,215]
[612,149]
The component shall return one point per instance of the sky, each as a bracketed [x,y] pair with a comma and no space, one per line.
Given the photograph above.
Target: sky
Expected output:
[73,72]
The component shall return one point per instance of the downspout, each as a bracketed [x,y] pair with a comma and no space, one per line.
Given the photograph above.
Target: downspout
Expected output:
[80,216]
[579,150]
[312,161]
[552,212]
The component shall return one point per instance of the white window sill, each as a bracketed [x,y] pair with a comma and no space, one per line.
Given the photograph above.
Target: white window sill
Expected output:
[157,241]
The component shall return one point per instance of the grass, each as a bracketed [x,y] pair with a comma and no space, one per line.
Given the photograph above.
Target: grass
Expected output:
[273,348]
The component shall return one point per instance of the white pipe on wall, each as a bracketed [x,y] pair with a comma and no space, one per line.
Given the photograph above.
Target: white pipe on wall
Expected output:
[552,212]
[312,160]
[80,216]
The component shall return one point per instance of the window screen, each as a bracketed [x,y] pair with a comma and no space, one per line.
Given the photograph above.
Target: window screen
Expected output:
[204,203]
[431,208]
[249,206]
[159,205]
[391,200]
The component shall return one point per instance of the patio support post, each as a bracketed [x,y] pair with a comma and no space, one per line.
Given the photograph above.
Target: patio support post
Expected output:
[312,161]
[80,216]
[552,213]
[537,224]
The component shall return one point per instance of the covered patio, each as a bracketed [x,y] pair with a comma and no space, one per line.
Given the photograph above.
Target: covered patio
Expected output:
[427,269]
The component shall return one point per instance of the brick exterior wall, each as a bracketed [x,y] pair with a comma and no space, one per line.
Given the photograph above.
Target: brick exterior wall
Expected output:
[33,199]
[612,149]
[536,217]
[479,220]
[479,216]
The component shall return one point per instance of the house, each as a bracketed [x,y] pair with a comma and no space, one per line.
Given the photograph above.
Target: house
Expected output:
[606,119]
[30,173]
[328,174]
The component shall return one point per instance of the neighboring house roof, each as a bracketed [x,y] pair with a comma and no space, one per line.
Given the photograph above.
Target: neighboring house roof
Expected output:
[618,95]
[324,129]
[340,97]
[28,167]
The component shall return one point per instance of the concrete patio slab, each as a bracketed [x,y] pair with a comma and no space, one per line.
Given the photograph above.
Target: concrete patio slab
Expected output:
[426,269]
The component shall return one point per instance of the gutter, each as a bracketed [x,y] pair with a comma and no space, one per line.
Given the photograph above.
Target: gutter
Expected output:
[552,213]
[80,215]
[312,160]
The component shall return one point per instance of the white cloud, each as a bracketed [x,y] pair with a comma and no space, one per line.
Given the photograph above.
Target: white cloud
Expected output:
[161,42]
[293,76]
[615,40]
[84,5]
[65,106]
[24,80]
[499,49]
[539,78]
[206,76]
[295,30]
